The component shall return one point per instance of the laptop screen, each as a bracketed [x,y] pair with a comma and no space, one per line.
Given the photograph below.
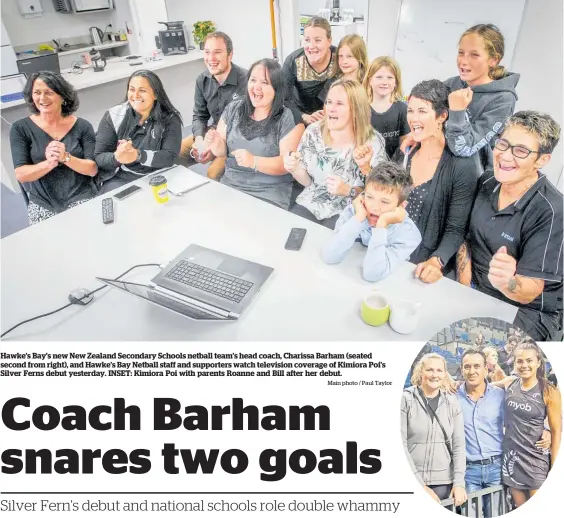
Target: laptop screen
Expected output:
[147,293]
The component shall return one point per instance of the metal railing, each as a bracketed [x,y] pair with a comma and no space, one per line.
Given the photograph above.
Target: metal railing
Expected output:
[474,506]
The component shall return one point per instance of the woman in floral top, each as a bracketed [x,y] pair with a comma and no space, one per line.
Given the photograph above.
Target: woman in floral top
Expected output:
[335,154]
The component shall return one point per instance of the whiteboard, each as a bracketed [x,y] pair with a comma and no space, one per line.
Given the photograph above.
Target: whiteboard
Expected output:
[429,32]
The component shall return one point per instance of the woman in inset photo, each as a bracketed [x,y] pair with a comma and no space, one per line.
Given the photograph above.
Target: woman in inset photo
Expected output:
[432,428]
[530,401]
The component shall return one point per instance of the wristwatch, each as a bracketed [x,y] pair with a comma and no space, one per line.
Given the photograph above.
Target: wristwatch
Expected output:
[352,192]
[67,157]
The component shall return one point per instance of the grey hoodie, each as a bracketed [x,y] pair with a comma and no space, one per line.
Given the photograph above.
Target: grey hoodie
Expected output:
[424,441]
[472,130]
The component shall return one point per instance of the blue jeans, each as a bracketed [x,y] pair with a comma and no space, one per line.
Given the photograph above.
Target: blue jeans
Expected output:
[480,476]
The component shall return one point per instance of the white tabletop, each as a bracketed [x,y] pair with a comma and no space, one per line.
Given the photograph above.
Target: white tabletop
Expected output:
[304,299]
[117,69]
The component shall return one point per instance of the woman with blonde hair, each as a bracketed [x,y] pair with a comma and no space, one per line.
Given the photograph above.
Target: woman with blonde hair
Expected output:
[529,399]
[432,429]
[335,154]
[388,111]
[352,61]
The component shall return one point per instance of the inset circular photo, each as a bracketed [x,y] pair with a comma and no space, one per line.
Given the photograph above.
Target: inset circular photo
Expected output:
[481,417]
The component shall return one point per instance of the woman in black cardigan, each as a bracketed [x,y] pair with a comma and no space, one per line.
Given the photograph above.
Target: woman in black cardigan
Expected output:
[444,184]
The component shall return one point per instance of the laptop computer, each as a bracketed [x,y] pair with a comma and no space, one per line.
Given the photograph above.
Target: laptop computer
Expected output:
[202,284]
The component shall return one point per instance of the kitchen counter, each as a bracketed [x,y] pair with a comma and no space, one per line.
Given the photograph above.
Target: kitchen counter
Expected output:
[115,70]
[77,49]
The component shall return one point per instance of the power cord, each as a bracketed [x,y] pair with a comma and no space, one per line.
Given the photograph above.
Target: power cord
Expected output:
[85,296]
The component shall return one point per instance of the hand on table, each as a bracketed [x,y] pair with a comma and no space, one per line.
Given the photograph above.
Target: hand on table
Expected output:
[244,158]
[429,271]
[336,186]
[363,156]
[460,99]
[502,269]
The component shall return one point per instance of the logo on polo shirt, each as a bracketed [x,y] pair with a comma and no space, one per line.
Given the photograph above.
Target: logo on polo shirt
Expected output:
[508,237]
[235,95]
[520,406]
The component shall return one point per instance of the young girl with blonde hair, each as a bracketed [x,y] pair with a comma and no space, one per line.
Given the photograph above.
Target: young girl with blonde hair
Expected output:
[388,112]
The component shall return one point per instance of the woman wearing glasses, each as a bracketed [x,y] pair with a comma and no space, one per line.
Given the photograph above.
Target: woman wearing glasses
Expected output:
[514,246]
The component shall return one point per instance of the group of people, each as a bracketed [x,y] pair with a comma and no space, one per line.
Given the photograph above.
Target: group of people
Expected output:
[449,180]
[468,436]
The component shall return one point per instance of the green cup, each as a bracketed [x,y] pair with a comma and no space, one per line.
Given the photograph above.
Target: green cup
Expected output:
[375,309]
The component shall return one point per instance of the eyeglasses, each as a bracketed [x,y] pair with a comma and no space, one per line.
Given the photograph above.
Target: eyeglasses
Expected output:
[517,151]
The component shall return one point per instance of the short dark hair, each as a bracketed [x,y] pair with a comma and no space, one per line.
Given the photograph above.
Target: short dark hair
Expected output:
[222,36]
[59,85]
[435,92]
[473,350]
[541,125]
[391,176]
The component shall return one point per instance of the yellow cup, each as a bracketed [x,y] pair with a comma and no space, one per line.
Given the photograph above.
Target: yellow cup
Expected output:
[375,309]
[160,188]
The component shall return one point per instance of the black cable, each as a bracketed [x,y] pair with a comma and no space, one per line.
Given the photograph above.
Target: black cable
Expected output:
[70,303]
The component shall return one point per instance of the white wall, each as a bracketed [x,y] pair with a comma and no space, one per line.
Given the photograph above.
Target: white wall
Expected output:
[51,25]
[246,22]
[538,58]
[383,17]
[312,6]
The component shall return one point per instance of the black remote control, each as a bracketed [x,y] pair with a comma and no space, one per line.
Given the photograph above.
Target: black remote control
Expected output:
[107,210]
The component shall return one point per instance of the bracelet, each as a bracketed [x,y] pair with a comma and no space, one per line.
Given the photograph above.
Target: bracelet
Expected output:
[255,166]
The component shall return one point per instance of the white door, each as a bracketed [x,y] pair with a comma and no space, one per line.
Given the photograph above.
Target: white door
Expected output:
[146,15]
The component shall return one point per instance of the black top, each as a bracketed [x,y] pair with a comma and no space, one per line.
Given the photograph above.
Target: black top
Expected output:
[415,201]
[158,139]
[61,186]
[304,84]
[531,229]
[447,205]
[392,124]
[211,98]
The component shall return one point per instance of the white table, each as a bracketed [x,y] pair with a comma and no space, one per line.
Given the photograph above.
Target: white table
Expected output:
[304,299]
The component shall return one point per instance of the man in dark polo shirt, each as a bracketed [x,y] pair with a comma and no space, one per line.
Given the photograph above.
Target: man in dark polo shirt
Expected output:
[221,83]
[515,233]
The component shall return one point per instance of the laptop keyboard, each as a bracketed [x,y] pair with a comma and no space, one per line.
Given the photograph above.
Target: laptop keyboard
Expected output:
[212,281]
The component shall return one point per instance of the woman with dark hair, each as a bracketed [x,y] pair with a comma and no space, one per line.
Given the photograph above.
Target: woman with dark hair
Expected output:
[254,133]
[52,150]
[138,136]
[443,184]
[529,399]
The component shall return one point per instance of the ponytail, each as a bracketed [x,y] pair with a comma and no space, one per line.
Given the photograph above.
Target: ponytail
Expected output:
[497,72]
